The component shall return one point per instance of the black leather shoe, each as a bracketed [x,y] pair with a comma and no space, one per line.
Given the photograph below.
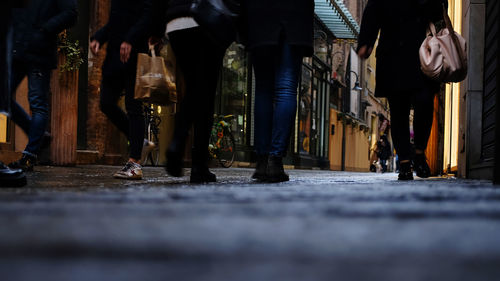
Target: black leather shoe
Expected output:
[11,177]
[201,175]
[421,167]
[260,173]
[26,163]
[275,170]
[405,172]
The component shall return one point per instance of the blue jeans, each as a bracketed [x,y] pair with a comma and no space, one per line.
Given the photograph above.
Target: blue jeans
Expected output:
[38,88]
[277,70]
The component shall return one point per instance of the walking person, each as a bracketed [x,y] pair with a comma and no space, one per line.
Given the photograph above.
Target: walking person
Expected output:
[199,57]
[127,33]
[279,35]
[8,177]
[402,26]
[36,28]
[384,152]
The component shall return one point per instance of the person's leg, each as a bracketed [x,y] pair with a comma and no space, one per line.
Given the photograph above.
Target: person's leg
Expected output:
[400,104]
[18,114]
[287,73]
[133,125]
[207,75]
[264,63]
[136,123]
[38,90]
[187,52]
[287,69]
[111,89]
[423,103]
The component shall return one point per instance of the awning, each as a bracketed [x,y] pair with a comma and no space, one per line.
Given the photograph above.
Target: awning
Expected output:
[335,15]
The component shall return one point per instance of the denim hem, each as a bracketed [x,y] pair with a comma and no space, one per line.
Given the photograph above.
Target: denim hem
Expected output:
[30,154]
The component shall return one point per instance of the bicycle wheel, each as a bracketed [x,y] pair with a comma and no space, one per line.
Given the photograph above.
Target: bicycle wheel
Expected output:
[227,150]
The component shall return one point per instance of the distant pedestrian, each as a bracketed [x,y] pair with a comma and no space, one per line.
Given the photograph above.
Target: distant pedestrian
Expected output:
[127,33]
[35,55]
[384,152]
[402,26]
[279,34]
[199,57]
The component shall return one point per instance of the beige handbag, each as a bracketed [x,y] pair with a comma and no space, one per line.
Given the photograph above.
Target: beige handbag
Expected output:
[155,79]
[443,56]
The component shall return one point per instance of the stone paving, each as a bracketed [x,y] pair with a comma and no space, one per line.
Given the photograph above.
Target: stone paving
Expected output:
[80,224]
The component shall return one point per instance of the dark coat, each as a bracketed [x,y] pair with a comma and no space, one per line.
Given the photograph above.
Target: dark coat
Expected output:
[402,26]
[266,22]
[36,28]
[129,21]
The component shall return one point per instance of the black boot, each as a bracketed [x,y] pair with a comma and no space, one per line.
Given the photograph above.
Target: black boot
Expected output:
[260,173]
[26,163]
[10,177]
[421,167]
[202,175]
[405,172]
[275,170]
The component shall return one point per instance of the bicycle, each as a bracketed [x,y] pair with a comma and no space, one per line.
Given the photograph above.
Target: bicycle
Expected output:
[222,144]
[153,121]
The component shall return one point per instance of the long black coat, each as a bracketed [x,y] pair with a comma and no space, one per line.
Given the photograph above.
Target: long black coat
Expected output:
[402,26]
[36,28]
[129,21]
[266,22]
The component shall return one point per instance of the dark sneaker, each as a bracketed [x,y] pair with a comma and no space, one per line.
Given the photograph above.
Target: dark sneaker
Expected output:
[275,170]
[421,167]
[405,172]
[202,175]
[11,177]
[26,163]
[260,173]
[131,171]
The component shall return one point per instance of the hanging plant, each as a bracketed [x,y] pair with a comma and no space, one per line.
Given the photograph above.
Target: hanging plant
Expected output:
[73,52]
[340,116]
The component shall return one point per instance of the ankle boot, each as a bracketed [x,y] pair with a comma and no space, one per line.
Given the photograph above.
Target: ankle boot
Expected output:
[405,172]
[202,175]
[421,167]
[275,170]
[26,163]
[260,173]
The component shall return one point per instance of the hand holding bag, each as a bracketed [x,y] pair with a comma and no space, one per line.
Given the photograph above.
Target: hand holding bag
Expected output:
[155,81]
[443,56]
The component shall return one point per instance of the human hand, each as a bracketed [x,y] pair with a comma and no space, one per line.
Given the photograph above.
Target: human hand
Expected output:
[156,42]
[125,50]
[364,52]
[95,46]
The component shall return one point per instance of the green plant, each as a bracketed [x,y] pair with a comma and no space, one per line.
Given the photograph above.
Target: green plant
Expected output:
[73,52]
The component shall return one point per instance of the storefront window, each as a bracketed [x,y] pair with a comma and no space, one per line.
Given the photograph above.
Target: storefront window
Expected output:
[305,106]
[232,96]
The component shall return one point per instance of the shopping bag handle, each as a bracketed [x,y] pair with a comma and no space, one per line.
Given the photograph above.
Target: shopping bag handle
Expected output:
[152,50]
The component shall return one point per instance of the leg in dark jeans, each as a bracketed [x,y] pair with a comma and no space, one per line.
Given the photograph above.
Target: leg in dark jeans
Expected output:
[200,62]
[38,89]
[277,73]
[423,104]
[130,123]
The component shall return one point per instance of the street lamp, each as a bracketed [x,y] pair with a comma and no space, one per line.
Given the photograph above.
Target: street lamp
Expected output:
[356,84]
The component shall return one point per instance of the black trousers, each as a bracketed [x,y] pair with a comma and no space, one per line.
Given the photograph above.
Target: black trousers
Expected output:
[200,61]
[130,123]
[422,102]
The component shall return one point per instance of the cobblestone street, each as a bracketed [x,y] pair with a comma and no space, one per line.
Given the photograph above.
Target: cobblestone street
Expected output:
[80,224]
